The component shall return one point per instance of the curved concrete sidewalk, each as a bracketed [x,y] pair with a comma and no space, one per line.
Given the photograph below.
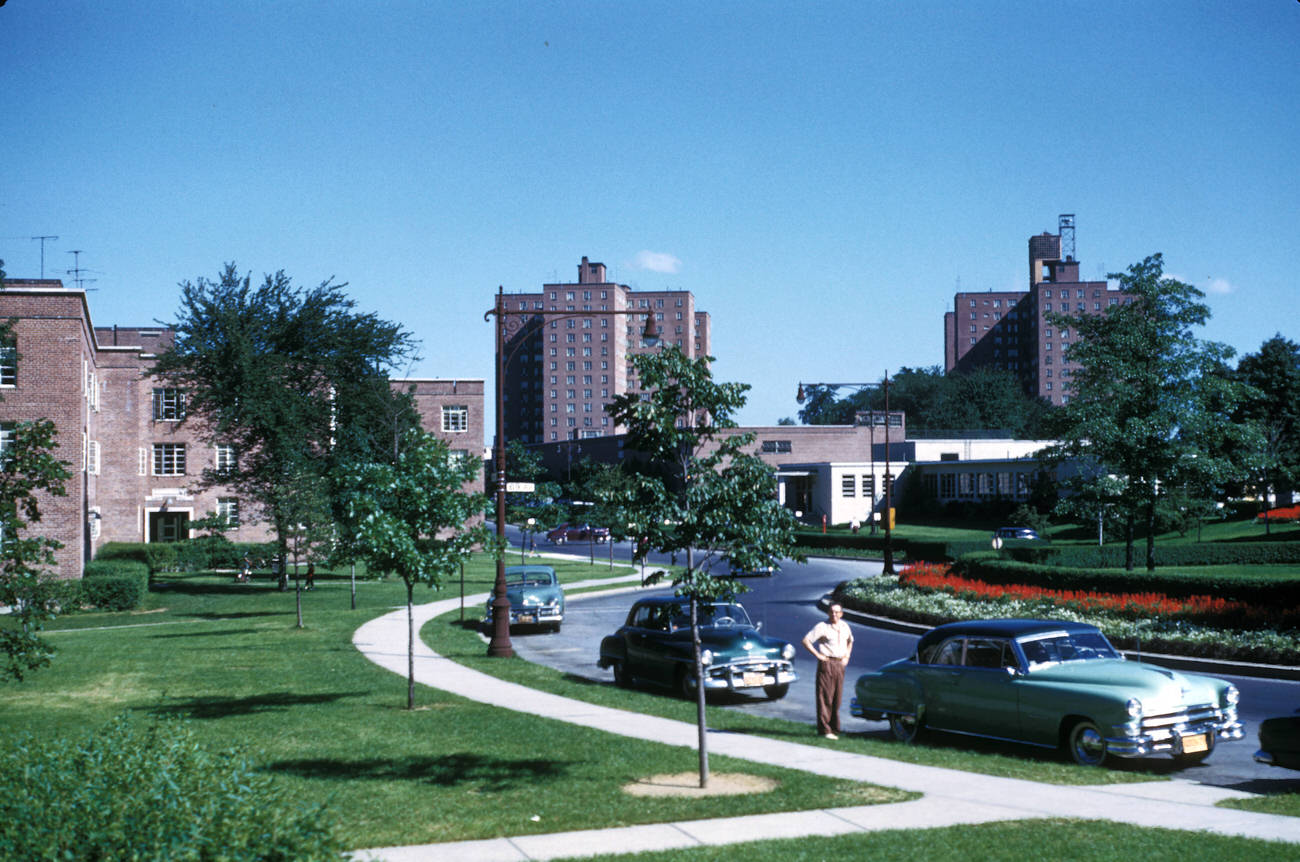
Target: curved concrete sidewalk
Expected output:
[951,797]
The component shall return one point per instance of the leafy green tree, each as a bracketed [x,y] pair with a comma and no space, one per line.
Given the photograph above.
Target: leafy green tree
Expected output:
[30,471]
[981,400]
[712,498]
[1273,406]
[295,380]
[412,517]
[1149,407]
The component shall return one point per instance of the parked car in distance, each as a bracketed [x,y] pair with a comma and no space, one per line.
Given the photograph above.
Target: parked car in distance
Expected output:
[1052,684]
[1022,533]
[760,572]
[578,533]
[536,597]
[654,645]
[1279,741]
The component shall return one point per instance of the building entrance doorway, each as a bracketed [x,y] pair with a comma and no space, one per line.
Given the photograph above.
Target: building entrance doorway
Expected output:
[169,526]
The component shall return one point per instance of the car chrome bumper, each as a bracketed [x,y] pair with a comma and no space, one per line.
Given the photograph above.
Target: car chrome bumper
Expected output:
[856,710]
[746,676]
[1134,741]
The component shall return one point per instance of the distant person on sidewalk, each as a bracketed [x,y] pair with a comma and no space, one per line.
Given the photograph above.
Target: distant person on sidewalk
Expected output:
[831,642]
[311,576]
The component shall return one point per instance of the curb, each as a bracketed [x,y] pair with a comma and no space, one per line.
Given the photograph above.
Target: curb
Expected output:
[1174,662]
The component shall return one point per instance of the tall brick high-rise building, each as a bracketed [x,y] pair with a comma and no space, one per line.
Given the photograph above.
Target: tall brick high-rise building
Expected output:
[560,373]
[1009,329]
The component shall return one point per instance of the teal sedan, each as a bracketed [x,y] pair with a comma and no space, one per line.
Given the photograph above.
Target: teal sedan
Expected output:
[654,645]
[1050,684]
[536,597]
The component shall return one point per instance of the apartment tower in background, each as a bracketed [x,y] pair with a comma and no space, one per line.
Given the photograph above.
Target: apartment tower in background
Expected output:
[561,372]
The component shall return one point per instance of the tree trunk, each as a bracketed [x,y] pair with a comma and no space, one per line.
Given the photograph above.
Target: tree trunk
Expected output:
[1151,535]
[410,645]
[1128,541]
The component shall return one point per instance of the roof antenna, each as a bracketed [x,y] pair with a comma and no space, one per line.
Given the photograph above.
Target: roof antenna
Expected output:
[43,239]
[76,271]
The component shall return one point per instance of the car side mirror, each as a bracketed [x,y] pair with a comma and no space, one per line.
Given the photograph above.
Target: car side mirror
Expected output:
[1012,671]
[758,626]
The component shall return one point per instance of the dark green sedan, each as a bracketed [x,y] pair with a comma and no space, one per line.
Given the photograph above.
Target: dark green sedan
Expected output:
[655,646]
[1052,684]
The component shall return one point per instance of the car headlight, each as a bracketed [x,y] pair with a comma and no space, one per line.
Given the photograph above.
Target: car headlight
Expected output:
[787,652]
[1231,695]
[1134,707]
[706,657]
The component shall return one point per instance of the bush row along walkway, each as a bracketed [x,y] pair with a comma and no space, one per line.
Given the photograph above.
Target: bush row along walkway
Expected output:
[951,797]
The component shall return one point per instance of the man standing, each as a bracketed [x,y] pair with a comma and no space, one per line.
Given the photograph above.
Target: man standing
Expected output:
[831,641]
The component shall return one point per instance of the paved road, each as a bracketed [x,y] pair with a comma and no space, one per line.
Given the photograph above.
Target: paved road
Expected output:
[787,606]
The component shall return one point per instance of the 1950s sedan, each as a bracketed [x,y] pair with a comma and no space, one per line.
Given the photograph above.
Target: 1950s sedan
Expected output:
[655,645]
[536,597]
[1051,684]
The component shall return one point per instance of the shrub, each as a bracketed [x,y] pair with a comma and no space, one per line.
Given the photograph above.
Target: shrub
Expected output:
[152,792]
[115,585]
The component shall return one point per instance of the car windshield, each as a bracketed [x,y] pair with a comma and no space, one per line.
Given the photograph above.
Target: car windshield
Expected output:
[1062,646]
[529,579]
[712,615]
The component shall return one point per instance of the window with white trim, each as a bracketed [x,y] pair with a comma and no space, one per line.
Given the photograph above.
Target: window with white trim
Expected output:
[224,460]
[169,459]
[168,405]
[455,418]
[8,361]
[228,510]
[849,485]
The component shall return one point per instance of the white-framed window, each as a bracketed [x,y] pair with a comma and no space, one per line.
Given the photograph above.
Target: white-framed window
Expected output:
[224,458]
[228,510]
[168,404]
[92,457]
[455,418]
[849,485]
[8,361]
[7,430]
[169,459]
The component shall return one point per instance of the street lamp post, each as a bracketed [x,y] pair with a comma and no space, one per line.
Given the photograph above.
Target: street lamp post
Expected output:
[499,645]
[801,396]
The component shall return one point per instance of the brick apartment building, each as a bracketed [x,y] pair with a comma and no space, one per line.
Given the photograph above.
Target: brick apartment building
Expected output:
[1009,329]
[561,373]
[133,463]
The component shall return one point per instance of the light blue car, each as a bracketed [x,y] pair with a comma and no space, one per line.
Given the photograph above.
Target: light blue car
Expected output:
[536,597]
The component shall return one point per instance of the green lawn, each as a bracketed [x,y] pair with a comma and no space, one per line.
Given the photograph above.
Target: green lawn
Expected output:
[330,725]
[1014,841]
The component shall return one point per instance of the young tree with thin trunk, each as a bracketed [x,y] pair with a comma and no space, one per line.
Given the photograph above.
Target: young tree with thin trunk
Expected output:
[712,501]
[412,518]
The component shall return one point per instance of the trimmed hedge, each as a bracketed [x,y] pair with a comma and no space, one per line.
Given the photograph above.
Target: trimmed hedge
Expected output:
[115,585]
[989,567]
[195,555]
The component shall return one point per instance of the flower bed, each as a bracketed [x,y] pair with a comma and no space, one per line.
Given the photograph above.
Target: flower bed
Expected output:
[1197,626]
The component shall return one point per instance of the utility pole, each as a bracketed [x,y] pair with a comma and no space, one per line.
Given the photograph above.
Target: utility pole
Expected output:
[43,239]
[76,270]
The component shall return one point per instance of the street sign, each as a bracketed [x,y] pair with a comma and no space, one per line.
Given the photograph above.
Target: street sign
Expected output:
[520,487]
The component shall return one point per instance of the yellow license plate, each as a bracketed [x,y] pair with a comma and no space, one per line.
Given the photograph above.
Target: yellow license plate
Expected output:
[754,679]
[1193,744]
[527,618]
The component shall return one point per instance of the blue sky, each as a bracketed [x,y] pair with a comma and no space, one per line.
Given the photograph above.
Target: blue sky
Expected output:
[822,176]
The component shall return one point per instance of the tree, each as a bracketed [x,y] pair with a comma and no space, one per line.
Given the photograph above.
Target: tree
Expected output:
[978,400]
[1149,407]
[30,469]
[710,495]
[1273,406]
[293,379]
[411,518]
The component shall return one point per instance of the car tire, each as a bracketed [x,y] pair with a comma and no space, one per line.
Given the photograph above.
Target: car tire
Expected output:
[622,678]
[1185,760]
[1085,744]
[776,692]
[685,686]
[555,627]
[906,728]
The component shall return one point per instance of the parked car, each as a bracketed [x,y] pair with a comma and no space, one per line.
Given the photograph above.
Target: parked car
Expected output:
[578,533]
[655,646]
[1279,741]
[1051,684]
[536,597]
[1022,533]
